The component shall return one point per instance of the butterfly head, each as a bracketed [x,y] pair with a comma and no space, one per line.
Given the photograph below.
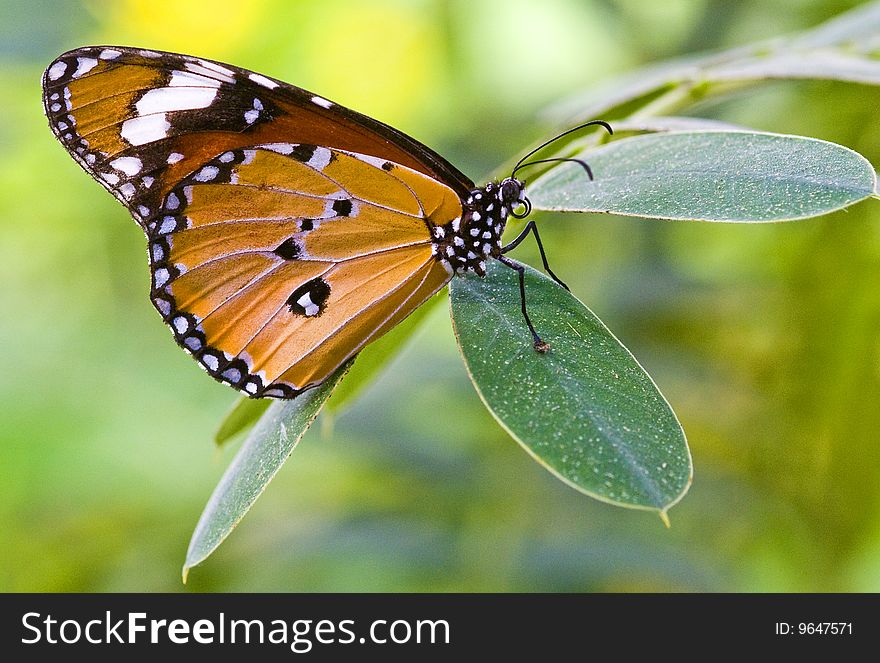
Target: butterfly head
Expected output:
[511,192]
[512,196]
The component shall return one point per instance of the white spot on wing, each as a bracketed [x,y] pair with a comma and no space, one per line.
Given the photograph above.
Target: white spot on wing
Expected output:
[57,70]
[251,116]
[127,190]
[147,181]
[206,174]
[181,324]
[164,306]
[161,277]
[320,101]
[111,178]
[232,374]
[210,70]
[164,99]
[213,66]
[262,80]
[373,161]
[84,66]
[146,129]
[190,79]
[210,361]
[320,158]
[308,305]
[128,165]
[169,223]
[281,148]
[172,202]
[109,54]
[174,157]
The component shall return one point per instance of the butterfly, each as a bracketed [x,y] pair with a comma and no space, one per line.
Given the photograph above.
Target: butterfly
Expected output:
[285,232]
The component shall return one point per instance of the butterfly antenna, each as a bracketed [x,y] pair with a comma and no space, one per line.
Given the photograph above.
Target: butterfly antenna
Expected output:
[582,163]
[540,147]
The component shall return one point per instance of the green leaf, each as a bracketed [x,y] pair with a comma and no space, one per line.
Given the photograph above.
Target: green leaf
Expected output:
[664,124]
[370,361]
[373,358]
[733,176]
[844,40]
[586,410]
[817,65]
[242,416]
[857,28]
[261,456]
[611,98]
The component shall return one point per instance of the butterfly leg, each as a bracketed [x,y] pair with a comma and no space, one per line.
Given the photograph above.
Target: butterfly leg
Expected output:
[539,343]
[531,227]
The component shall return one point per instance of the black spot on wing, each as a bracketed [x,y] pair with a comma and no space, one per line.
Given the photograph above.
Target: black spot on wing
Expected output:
[289,249]
[233,109]
[310,299]
[303,152]
[342,207]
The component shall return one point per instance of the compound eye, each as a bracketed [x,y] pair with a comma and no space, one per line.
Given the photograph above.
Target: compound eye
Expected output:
[510,191]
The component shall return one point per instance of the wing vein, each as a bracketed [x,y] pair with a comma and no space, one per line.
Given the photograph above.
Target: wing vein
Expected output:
[376,302]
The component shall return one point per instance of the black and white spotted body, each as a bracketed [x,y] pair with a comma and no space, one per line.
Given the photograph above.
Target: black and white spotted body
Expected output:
[464,244]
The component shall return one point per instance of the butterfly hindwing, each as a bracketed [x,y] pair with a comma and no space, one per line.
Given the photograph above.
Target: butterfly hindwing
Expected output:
[273,264]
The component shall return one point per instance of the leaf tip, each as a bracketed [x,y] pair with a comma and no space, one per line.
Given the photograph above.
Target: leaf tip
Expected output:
[184,573]
[664,516]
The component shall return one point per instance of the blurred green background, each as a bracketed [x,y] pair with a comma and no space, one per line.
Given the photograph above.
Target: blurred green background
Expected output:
[766,339]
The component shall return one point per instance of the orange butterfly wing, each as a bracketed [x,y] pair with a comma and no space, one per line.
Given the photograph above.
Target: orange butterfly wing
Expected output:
[138,121]
[276,263]
[285,231]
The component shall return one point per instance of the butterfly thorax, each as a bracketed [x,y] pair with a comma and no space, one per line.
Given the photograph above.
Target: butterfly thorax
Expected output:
[465,243]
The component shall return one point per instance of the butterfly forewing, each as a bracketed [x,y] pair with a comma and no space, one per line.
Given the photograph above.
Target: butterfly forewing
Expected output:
[140,120]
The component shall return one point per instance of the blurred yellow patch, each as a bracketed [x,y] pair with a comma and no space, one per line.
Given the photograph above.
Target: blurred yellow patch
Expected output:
[197,28]
[381,59]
